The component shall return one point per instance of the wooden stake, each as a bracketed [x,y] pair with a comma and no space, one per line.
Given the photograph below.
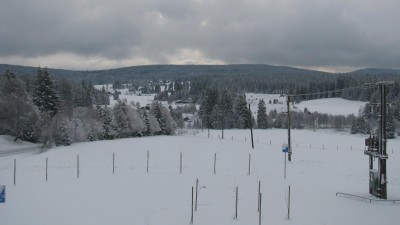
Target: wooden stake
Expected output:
[180,163]
[197,192]
[288,212]
[15,170]
[236,203]
[113,162]
[215,163]
[47,162]
[259,189]
[259,206]
[249,164]
[191,217]
[148,157]
[77,166]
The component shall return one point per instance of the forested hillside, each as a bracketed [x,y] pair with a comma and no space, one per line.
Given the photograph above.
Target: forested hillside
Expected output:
[218,89]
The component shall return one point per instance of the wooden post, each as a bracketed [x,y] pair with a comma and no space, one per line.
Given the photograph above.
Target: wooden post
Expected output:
[148,157]
[236,203]
[191,217]
[47,162]
[15,170]
[259,191]
[113,162]
[288,120]
[77,165]
[251,128]
[288,212]
[197,192]
[284,171]
[259,206]
[215,163]
[249,164]
[180,163]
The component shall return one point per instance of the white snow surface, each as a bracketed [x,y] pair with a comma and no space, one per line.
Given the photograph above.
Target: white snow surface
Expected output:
[333,106]
[9,147]
[323,163]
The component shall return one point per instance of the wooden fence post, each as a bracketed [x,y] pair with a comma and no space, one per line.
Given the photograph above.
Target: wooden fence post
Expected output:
[215,163]
[148,157]
[180,163]
[191,217]
[15,170]
[197,192]
[77,165]
[47,162]
[249,164]
[259,191]
[259,211]
[288,214]
[236,202]
[113,162]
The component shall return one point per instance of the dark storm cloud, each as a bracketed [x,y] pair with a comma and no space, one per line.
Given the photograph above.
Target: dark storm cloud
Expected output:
[307,33]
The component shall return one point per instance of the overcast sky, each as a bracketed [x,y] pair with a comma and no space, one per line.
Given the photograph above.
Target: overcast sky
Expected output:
[330,35]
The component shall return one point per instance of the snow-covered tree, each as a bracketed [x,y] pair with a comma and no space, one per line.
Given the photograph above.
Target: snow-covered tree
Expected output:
[163,117]
[108,123]
[45,96]
[262,120]
[18,115]
[242,114]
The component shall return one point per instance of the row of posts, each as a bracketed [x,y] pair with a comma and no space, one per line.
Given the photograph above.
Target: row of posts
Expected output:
[194,198]
[113,165]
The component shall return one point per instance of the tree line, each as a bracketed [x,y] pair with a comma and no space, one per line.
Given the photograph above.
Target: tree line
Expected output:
[61,112]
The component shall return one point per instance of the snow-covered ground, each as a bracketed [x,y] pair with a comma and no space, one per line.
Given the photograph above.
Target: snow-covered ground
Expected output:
[9,147]
[324,162]
[333,106]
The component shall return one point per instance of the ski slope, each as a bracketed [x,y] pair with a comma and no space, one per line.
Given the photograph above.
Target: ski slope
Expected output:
[324,162]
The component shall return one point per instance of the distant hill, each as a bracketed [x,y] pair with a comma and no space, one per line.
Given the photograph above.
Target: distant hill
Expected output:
[376,71]
[163,71]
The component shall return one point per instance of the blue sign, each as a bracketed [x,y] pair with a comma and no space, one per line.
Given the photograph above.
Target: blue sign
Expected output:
[2,193]
[285,148]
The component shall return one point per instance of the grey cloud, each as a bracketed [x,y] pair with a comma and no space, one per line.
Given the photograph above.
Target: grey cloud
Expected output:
[307,33]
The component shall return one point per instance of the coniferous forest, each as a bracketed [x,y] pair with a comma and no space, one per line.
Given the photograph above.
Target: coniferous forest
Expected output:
[60,107]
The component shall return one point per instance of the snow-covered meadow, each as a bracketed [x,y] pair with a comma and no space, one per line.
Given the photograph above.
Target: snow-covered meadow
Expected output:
[324,162]
[333,106]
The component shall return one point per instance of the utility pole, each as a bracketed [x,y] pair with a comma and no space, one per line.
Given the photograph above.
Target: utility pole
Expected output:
[382,180]
[288,127]
[251,128]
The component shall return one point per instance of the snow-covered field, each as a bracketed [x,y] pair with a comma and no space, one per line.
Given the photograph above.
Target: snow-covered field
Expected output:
[333,106]
[324,162]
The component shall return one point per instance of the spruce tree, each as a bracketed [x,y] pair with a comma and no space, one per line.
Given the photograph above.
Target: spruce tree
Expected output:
[242,114]
[45,96]
[262,121]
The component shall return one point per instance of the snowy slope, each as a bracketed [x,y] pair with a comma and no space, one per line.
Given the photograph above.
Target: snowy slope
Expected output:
[9,147]
[323,163]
